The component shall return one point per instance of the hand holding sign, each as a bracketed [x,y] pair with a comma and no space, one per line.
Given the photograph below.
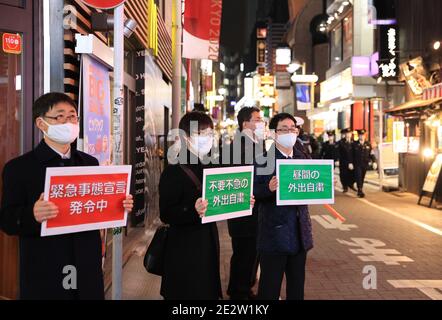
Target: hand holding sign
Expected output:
[201,207]
[273,184]
[44,210]
[128,204]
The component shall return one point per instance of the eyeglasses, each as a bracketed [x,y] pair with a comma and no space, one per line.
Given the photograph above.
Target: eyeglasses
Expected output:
[287,130]
[63,119]
[203,133]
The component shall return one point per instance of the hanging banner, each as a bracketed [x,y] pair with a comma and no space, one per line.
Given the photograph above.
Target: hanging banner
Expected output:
[304,182]
[96,110]
[202,28]
[303,97]
[88,198]
[228,191]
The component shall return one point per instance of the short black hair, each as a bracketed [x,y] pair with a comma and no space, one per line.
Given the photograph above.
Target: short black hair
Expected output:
[278,118]
[245,114]
[203,120]
[47,101]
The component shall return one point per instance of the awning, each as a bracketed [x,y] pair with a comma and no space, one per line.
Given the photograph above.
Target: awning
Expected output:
[416,104]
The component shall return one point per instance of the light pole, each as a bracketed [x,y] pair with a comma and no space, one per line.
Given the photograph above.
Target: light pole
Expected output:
[118,121]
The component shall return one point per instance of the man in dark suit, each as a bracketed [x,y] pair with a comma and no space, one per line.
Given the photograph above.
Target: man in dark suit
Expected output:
[329,149]
[243,265]
[346,167]
[43,260]
[284,232]
[361,159]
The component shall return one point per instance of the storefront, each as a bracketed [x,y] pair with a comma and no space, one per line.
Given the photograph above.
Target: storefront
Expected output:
[419,140]
[347,102]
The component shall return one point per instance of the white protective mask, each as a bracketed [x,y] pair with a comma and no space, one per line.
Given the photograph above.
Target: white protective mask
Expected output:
[62,133]
[201,145]
[287,140]
[260,130]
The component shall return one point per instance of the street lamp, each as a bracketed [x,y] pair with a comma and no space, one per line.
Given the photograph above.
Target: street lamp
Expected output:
[295,65]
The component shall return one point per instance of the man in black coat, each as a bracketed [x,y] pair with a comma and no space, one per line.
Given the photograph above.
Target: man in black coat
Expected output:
[243,151]
[63,267]
[361,159]
[329,149]
[346,167]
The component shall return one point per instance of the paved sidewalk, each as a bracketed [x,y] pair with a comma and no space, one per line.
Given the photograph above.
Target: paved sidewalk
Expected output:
[386,233]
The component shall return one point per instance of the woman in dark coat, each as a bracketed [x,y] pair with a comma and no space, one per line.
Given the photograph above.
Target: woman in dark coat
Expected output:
[192,248]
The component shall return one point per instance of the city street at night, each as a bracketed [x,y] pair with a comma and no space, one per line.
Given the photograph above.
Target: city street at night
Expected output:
[200,159]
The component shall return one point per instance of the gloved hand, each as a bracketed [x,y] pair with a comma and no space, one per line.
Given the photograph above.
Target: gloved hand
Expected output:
[375,166]
[350,166]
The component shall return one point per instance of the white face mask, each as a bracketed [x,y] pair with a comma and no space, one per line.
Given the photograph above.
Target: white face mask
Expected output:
[62,133]
[260,130]
[201,145]
[287,140]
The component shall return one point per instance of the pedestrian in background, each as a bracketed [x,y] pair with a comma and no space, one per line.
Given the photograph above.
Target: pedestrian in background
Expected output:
[329,150]
[284,232]
[361,159]
[346,168]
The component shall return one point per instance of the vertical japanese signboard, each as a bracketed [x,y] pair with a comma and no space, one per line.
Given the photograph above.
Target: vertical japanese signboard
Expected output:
[139,144]
[88,198]
[389,52]
[304,182]
[228,191]
[96,110]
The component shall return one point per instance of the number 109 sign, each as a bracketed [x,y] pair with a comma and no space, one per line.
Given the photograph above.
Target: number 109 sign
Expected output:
[88,198]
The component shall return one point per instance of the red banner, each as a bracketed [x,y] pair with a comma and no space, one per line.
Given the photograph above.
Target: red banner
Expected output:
[88,198]
[202,27]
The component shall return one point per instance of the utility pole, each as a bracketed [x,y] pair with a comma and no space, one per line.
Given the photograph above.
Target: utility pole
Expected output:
[176,83]
[118,121]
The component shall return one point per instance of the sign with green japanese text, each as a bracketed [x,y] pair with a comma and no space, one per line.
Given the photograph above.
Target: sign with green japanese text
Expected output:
[228,191]
[304,182]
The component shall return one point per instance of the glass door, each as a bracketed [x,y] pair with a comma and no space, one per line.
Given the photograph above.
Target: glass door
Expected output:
[11,100]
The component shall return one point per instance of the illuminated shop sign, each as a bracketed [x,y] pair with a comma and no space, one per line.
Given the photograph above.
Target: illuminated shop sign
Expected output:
[389,67]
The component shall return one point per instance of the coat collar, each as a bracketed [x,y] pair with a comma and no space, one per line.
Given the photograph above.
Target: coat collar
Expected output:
[45,153]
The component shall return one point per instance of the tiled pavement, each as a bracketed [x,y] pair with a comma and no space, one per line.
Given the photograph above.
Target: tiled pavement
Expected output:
[333,271]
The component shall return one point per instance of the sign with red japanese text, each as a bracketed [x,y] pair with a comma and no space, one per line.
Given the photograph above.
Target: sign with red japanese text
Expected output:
[96,110]
[88,198]
[304,182]
[104,4]
[202,29]
[228,191]
[12,43]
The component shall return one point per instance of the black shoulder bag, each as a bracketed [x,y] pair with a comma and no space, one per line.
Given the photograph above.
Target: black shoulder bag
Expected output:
[154,257]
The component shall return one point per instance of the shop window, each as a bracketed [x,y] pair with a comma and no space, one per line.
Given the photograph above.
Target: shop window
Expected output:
[347,36]
[336,46]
